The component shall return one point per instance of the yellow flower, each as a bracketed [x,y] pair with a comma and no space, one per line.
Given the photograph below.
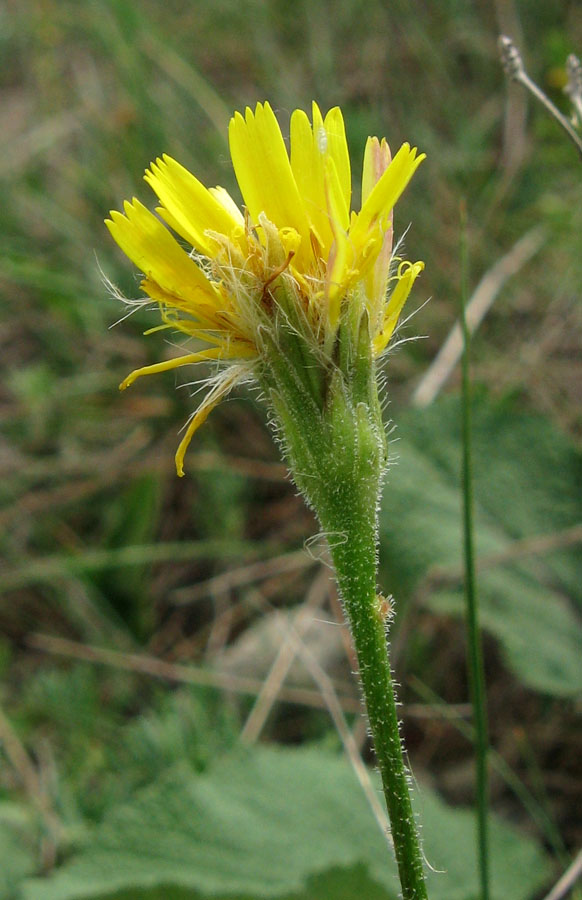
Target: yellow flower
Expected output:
[297,227]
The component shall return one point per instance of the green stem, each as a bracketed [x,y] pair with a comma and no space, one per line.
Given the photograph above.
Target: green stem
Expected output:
[475,653]
[354,558]
[336,449]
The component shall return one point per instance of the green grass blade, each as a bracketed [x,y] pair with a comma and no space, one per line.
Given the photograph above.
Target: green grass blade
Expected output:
[475,656]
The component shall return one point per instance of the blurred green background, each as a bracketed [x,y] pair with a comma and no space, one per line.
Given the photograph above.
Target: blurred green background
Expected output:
[161,638]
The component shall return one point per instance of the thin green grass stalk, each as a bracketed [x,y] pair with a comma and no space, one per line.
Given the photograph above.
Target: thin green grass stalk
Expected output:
[530,803]
[474,648]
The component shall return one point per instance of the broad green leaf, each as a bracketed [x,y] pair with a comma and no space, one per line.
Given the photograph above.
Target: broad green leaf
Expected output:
[337,884]
[527,483]
[283,824]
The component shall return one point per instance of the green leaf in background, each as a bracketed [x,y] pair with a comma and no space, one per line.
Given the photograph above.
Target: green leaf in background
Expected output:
[527,483]
[337,884]
[277,823]
[103,757]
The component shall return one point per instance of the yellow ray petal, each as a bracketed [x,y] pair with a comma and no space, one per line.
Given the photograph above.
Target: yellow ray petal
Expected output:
[341,256]
[212,399]
[409,274]
[307,166]
[192,208]
[381,199]
[264,173]
[377,158]
[206,311]
[174,363]
[169,219]
[153,250]
[223,197]
[336,196]
[376,161]
[337,147]
[215,329]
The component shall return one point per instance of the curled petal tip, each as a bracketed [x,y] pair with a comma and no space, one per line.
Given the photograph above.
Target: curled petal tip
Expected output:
[128,381]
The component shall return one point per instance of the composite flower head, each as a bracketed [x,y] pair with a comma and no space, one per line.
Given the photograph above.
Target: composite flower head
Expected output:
[296,237]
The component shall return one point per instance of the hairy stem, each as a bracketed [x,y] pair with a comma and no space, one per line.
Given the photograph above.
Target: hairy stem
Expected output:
[353,549]
[336,449]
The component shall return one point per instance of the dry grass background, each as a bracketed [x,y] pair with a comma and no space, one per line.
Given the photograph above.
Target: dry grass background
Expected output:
[118,578]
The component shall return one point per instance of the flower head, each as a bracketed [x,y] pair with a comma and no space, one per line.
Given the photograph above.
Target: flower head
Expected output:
[297,257]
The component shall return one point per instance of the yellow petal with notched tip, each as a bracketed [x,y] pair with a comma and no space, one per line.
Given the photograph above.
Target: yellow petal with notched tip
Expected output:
[152,248]
[307,166]
[379,203]
[337,148]
[377,158]
[264,174]
[191,208]
[312,148]
[376,161]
